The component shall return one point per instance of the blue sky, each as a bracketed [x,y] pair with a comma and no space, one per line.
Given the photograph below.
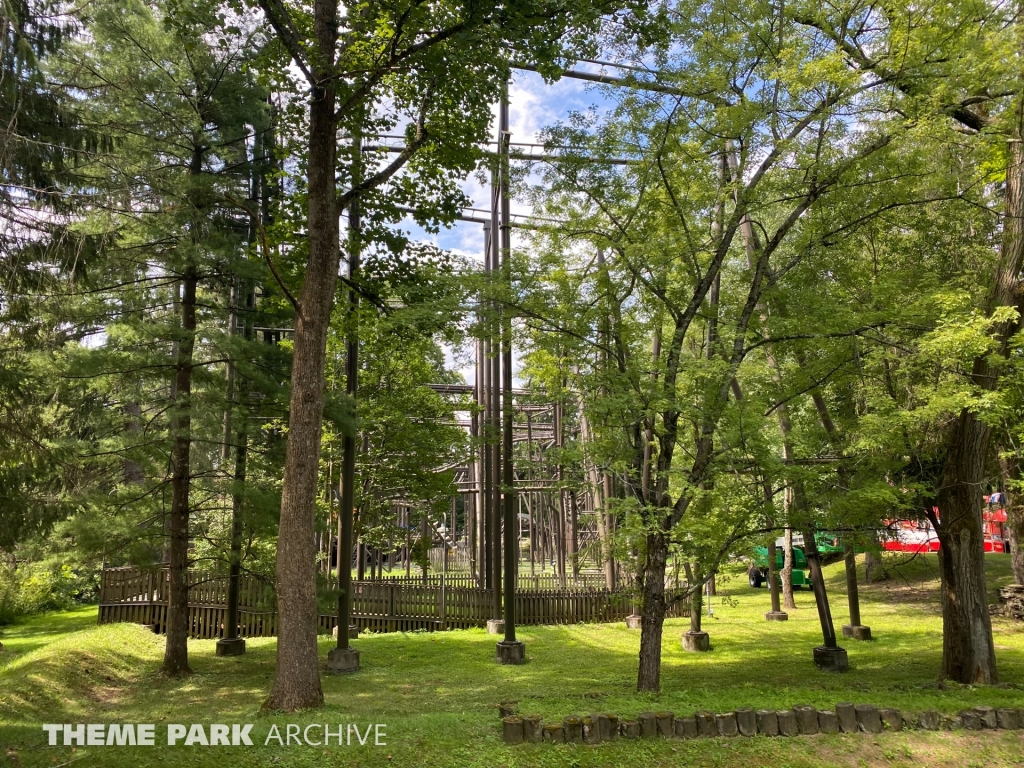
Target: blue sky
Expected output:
[533,106]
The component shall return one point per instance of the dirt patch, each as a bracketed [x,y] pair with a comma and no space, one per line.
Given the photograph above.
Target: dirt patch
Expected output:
[106,695]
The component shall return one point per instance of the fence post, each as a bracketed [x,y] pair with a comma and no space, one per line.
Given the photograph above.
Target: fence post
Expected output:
[444,605]
[391,621]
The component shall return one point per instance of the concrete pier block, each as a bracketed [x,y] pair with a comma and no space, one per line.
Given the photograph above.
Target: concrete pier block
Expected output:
[696,642]
[342,660]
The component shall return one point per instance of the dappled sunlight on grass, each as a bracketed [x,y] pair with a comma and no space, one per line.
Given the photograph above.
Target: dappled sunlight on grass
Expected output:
[437,691]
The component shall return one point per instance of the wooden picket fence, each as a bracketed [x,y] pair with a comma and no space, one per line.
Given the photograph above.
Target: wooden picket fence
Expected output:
[539,581]
[392,605]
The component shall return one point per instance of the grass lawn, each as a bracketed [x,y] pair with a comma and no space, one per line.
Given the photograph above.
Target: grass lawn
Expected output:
[436,691]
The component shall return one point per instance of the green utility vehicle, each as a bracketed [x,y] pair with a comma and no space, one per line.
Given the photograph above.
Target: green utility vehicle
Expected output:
[757,574]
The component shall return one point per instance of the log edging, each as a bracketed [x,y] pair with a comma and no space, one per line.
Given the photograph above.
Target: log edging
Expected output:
[800,720]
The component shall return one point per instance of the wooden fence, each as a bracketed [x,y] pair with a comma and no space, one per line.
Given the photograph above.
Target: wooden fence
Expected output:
[540,581]
[392,605]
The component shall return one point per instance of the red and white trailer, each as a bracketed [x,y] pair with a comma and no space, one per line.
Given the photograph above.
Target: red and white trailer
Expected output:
[920,536]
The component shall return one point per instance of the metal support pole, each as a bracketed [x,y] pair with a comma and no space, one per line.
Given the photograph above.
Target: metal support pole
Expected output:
[486,426]
[494,365]
[508,476]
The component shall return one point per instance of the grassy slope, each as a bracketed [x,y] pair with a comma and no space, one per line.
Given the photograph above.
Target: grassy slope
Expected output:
[436,691]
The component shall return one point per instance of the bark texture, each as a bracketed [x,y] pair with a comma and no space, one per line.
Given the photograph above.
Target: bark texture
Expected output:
[968,655]
[967,649]
[1015,537]
[872,566]
[297,682]
[176,649]
[786,574]
[652,613]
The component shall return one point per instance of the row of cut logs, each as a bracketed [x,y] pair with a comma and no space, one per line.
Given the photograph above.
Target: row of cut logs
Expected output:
[1011,602]
[801,720]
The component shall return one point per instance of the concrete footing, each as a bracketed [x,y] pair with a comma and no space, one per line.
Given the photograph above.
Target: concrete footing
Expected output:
[633,621]
[831,659]
[232,646]
[511,652]
[342,660]
[856,631]
[353,632]
[776,616]
[696,641]
[495,626]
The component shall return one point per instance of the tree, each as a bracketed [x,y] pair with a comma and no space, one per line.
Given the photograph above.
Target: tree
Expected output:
[438,65]
[968,654]
[657,214]
[179,107]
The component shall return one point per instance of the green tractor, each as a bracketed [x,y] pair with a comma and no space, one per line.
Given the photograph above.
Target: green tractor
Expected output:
[757,573]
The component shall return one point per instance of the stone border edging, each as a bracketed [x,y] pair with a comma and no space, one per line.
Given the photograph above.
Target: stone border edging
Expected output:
[801,720]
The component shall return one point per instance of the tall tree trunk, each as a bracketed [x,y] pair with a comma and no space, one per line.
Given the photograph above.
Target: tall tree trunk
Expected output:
[176,650]
[599,493]
[967,649]
[872,566]
[693,578]
[241,445]
[611,576]
[652,612]
[297,679]
[968,655]
[773,575]
[786,574]
[132,473]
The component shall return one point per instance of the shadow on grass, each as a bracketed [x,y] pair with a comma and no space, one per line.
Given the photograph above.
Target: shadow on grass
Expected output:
[110,672]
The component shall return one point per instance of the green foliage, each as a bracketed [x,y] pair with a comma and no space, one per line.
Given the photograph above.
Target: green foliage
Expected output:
[50,585]
[437,690]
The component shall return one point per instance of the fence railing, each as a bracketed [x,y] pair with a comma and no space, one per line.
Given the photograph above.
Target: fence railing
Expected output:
[392,605]
[538,581]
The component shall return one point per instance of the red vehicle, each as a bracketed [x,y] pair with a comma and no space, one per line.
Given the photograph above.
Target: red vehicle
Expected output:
[920,536]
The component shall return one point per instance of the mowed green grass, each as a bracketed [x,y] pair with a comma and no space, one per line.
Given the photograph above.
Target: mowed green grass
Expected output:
[436,692]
